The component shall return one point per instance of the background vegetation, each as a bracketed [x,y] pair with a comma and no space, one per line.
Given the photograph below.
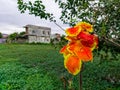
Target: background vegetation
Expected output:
[40,67]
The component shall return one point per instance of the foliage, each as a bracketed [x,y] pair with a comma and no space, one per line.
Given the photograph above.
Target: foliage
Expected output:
[96,12]
[27,67]
[58,43]
[0,35]
[22,33]
[36,8]
[63,41]
[30,67]
[13,36]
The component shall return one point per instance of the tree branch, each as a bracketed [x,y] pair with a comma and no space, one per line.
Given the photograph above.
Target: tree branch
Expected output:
[112,42]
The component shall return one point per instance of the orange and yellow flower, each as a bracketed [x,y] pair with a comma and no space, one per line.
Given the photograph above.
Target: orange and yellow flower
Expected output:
[80,46]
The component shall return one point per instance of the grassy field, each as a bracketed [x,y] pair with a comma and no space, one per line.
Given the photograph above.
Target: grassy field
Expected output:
[40,67]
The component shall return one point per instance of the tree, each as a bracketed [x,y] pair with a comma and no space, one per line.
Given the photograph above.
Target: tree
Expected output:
[96,12]
[0,35]
[13,36]
[22,33]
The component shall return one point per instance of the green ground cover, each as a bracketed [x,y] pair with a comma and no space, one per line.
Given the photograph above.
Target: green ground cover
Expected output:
[40,67]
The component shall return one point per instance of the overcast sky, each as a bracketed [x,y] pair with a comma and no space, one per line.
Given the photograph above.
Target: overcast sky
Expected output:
[11,20]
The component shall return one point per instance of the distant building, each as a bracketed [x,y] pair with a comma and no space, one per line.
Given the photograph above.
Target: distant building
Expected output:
[38,34]
[56,38]
[4,38]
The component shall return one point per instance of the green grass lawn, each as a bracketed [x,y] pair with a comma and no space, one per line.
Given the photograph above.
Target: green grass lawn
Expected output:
[40,67]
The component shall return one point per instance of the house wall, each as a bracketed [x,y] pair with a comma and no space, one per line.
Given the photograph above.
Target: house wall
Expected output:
[37,39]
[38,34]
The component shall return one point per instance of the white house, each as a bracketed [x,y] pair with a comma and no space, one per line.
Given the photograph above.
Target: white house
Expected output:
[38,34]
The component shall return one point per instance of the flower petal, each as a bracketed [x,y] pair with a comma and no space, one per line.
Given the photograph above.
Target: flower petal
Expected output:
[86,26]
[74,45]
[82,52]
[85,54]
[95,45]
[72,64]
[69,38]
[86,39]
[64,51]
[73,31]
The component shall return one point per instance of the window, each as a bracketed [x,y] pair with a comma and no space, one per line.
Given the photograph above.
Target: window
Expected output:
[48,39]
[48,33]
[33,31]
[43,32]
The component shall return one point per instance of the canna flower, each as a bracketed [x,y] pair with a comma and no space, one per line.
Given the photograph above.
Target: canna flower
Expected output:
[80,46]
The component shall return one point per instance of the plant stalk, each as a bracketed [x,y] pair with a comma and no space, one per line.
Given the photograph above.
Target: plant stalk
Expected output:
[80,80]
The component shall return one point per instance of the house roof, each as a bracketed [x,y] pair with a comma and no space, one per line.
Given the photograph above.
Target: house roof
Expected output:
[40,27]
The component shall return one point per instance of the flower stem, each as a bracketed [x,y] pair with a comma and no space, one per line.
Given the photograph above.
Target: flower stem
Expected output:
[80,81]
